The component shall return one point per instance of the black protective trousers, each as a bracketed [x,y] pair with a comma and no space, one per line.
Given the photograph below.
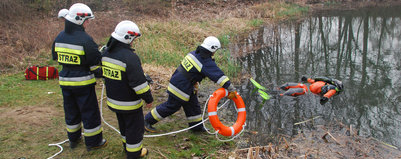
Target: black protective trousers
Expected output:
[172,105]
[81,104]
[131,129]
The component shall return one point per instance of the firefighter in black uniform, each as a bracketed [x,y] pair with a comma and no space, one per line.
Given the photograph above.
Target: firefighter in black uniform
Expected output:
[76,51]
[126,86]
[194,67]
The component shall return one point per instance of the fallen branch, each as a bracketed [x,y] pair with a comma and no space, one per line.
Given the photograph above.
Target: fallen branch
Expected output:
[286,144]
[350,130]
[160,153]
[328,133]
[257,152]
[385,143]
[250,153]
[307,120]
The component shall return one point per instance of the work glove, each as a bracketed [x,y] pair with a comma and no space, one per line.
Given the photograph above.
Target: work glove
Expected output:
[149,105]
[196,88]
[150,81]
[304,79]
[323,100]
[231,92]
[232,95]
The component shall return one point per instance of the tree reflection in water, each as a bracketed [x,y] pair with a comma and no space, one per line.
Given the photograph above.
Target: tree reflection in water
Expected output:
[361,48]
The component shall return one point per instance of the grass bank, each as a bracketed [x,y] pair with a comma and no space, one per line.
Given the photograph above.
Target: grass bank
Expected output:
[31,112]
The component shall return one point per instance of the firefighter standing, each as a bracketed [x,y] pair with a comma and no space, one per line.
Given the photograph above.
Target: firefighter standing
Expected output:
[76,51]
[194,67]
[323,86]
[126,86]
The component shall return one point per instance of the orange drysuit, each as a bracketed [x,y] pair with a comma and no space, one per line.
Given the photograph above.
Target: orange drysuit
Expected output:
[323,86]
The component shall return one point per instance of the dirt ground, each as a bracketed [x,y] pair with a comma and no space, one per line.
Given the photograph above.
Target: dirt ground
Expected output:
[29,115]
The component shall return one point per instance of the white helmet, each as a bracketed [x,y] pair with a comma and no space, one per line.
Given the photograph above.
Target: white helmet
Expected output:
[78,13]
[126,31]
[62,13]
[211,43]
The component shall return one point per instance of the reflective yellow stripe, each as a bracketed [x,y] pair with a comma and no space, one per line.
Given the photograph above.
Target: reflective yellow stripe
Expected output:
[37,73]
[94,133]
[133,148]
[155,114]
[114,66]
[71,51]
[77,83]
[194,118]
[194,63]
[47,73]
[143,90]
[123,139]
[119,107]
[177,94]
[224,81]
[71,130]
[92,68]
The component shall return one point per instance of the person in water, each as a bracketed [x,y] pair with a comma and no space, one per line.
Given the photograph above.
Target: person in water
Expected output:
[325,87]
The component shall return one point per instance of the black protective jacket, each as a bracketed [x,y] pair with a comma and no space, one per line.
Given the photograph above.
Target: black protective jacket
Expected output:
[76,51]
[126,84]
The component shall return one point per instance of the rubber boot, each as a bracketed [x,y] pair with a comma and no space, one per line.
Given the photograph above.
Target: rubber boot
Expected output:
[103,143]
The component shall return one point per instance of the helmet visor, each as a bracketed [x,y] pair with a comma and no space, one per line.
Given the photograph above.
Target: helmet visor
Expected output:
[134,34]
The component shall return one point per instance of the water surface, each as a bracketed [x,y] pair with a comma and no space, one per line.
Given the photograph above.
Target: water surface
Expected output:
[361,48]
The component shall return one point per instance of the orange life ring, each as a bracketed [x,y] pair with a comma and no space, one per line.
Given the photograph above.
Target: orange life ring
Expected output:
[214,119]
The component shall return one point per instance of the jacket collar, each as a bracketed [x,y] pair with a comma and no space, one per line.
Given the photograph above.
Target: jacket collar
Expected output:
[204,53]
[71,27]
[114,43]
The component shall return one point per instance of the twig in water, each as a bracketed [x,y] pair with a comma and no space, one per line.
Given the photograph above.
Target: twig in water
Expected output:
[257,152]
[269,150]
[385,143]
[326,141]
[307,120]
[350,130]
[250,153]
[333,138]
[286,144]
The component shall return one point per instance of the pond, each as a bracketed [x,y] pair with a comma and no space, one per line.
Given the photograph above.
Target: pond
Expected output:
[362,48]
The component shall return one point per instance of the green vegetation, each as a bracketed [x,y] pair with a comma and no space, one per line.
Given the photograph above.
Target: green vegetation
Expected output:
[331,3]
[166,43]
[256,22]
[291,10]
[279,10]
[36,107]
[16,91]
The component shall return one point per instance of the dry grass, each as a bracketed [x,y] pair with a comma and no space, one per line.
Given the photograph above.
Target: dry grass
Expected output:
[333,141]
[177,29]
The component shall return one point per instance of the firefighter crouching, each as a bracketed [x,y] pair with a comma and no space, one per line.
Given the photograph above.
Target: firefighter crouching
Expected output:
[194,67]
[126,86]
[76,51]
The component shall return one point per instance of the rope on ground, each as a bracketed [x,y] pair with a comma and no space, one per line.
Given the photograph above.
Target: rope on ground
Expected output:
[58,145]
[156,135]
